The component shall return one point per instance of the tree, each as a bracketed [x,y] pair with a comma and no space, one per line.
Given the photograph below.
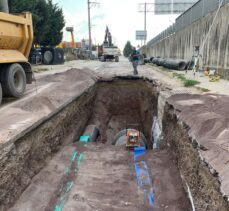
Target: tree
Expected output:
[94,47]
[56,24]
[127,49]
[48,19]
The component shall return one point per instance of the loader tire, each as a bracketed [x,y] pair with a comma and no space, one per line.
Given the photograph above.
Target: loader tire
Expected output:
[47,57]
[102,59]
[0,93]
[14,81]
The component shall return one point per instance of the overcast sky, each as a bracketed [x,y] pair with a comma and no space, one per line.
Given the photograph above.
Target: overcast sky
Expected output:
[121,16]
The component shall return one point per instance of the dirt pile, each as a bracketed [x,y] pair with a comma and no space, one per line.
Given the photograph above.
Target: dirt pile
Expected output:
[196,130]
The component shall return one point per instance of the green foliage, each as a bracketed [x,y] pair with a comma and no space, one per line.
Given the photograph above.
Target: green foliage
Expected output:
[48,19]
[94,47]
[203,89]
[127,49]
[186,82]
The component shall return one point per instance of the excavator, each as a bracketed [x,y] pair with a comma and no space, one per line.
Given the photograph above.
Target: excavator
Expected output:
[108,51]
[71,30]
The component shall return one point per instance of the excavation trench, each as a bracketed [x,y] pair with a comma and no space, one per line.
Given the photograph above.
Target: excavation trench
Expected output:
[33,169]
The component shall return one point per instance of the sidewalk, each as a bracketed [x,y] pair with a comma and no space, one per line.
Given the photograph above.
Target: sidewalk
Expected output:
[220,87]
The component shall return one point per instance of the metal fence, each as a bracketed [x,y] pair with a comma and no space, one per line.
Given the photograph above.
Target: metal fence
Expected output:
[197,11]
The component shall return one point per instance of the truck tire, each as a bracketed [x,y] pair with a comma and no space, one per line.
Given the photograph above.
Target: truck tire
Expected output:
[116,59]
[14,81]
[102,59]
[48,57]
[0,93]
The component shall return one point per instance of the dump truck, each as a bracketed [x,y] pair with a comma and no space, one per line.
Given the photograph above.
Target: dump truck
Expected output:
[16,38]
[108,51]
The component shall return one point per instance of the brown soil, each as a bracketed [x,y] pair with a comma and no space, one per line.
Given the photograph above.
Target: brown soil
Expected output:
[193,128]
[106,179]
[124,102]
[21,161]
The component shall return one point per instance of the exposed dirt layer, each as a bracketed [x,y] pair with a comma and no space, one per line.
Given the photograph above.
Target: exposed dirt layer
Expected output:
[124,103]
[99,176]
[105,180]
[22,160]
[44,185]
[196,128]
[116,103]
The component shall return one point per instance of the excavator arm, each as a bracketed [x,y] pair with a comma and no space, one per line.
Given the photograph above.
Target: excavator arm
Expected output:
[108,38]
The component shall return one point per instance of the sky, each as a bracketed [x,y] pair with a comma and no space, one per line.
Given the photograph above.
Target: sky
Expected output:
[121,16]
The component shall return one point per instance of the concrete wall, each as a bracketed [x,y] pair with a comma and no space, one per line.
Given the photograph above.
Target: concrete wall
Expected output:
[181,44]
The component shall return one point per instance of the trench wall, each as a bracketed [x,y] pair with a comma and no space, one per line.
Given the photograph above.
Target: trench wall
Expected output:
[25,157]
[181,44]
[204,186]
[121,103]
[22,160]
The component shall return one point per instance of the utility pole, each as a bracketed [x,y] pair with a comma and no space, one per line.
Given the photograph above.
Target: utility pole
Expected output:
[146,7]
[89,4]
[89,23]
[172,6]
[145,23]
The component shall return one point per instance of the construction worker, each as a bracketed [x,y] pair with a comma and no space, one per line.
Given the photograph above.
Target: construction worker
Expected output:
[135,59]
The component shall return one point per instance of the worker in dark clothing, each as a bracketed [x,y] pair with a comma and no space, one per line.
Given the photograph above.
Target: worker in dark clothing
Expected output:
[135,60]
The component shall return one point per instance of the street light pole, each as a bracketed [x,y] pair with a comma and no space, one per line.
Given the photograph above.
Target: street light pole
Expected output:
[145,25]
[89,3]
[89,23]
[146,7]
